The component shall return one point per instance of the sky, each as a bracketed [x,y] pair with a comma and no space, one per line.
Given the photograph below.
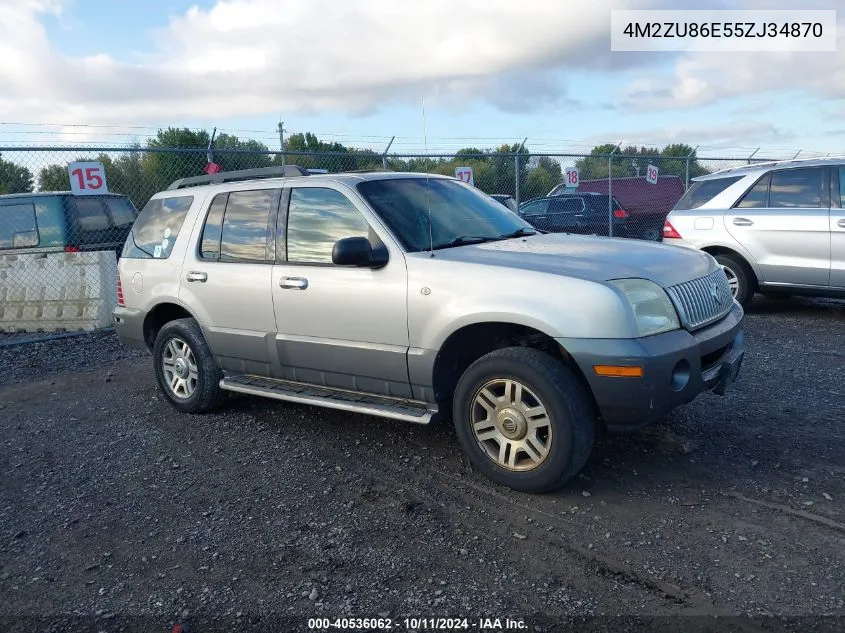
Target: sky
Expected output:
[359,72]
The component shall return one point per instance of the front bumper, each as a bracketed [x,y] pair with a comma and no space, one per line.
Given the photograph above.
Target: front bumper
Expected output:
[677,366]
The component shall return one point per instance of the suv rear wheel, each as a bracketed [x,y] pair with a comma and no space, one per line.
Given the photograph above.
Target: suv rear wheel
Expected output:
[523,419]
[185,370]
[740,277]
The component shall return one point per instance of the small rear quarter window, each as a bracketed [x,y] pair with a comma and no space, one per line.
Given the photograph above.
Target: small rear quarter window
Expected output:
[703,191]
[156,229]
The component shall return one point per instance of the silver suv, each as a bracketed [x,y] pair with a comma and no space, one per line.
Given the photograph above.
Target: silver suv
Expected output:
[774,227]
[415,297]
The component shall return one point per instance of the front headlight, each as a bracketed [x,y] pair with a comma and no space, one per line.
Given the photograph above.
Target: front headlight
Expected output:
[653,311]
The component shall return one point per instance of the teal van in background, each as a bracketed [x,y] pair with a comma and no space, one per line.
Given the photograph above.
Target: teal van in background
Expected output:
[47,222]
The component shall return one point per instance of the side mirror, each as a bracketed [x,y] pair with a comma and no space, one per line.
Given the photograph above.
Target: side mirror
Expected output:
[357,251]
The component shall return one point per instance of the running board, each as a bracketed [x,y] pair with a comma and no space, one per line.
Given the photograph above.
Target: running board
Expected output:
[394,408]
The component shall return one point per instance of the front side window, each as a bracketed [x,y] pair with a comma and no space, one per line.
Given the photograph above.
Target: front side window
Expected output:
[245,232]
[156,229]
[842,187]
[796,188]
[317,218]
[17,226]
[540,207]
[438,212]
[122,211]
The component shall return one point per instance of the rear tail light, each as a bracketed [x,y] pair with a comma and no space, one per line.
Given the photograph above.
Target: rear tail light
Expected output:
[620,213]
[71,249]
[119,292]
[670,232]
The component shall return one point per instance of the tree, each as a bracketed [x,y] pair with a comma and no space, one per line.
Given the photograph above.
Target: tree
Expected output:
[633,161]
[14,178]
[54,178]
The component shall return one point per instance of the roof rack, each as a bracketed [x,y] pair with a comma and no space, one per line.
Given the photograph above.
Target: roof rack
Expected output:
[785,161]
[240,174]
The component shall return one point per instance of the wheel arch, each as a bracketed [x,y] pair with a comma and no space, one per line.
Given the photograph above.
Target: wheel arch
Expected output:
[159,316]
[750,267]
[469,343]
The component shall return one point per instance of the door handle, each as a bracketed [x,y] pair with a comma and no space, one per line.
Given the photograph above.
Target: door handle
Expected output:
[841,223]
[196,275]
[293,283]
[742,222]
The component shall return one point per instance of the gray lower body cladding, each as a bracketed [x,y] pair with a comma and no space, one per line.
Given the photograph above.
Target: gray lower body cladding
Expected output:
[677,367]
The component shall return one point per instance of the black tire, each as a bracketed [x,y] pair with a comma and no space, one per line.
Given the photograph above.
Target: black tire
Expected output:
[206,395]
[746,281]
[565,399]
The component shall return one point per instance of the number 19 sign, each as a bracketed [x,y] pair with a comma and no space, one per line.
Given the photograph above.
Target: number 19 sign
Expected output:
[87,178]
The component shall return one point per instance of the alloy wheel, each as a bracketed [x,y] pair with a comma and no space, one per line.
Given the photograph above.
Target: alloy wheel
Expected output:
[511,424]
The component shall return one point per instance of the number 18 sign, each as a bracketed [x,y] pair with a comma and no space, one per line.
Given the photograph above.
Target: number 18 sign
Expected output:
[86,178]
[571,177]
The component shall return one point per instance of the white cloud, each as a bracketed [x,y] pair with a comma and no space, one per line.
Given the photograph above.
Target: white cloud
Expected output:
[250,57]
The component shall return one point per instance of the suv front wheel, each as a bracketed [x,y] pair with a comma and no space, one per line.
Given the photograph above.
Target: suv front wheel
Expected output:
[185,370]
[523,419]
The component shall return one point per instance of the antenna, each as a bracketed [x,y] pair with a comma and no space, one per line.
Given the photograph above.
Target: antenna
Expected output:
[427,185]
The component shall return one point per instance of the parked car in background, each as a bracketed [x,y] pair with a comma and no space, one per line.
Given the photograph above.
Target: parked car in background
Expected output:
[775,228]
[584,213]
[506,200]
[647,205]
[589,334]
[47,222]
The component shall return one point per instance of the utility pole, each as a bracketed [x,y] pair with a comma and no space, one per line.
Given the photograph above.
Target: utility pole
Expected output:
[282,140]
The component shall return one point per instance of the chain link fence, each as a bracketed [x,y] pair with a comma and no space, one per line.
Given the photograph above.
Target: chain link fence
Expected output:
[618,195]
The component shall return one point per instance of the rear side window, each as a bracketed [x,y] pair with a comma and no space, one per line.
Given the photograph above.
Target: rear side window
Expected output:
[703,191]
[91,214]
[758,196]
[122,212]
[17,226]
[567,205]
[156,229]
[245,232]
[793,188]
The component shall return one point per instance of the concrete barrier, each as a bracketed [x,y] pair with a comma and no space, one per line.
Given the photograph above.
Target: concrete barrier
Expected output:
[53,292]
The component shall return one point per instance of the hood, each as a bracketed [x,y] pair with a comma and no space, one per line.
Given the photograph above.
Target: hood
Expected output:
[589,257]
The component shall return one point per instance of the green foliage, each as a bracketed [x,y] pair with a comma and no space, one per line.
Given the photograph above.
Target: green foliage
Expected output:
[633,161]
[54,178]
[14,178]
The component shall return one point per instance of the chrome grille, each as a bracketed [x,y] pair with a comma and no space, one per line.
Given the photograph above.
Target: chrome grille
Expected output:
[702,301]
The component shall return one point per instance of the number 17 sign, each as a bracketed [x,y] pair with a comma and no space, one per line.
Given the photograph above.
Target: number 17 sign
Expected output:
[86,178]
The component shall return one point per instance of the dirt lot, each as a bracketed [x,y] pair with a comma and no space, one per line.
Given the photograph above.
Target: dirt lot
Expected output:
[117,509]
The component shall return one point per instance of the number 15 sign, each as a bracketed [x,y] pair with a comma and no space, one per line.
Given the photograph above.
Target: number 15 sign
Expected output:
[87,178]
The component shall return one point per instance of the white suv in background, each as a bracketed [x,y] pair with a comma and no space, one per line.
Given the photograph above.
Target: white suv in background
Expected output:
[776,228]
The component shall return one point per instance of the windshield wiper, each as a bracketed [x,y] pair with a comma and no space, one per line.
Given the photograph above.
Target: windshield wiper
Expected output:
[521,232]
[463,240]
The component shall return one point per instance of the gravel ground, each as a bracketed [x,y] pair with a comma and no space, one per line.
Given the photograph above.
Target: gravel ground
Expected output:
[118,510]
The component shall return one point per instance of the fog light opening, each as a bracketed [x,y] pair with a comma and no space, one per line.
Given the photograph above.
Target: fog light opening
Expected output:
[680,375]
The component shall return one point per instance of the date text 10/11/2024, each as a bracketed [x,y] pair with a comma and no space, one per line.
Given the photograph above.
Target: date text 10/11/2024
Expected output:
[418,624]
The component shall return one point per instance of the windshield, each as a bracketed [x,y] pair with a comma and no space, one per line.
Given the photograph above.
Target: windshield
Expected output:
[460,214]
